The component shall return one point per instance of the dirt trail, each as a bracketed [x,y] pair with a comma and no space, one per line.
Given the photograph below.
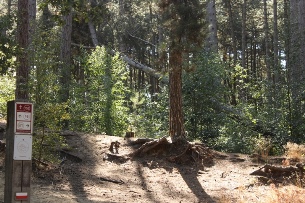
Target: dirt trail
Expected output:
[90,176]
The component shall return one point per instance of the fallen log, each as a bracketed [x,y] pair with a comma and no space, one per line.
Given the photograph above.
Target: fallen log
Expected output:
[278,171]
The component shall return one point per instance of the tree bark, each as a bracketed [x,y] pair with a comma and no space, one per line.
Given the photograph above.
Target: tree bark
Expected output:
[275,44]
[23,69]
[176,121]
[297,66]
[65,56]
[212,39]
[266,31]
[233,50]
[244,20]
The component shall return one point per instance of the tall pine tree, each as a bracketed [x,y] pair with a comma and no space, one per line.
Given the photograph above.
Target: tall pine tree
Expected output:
[183,20]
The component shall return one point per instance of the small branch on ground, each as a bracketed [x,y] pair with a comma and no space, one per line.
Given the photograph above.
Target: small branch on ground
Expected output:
[111,180]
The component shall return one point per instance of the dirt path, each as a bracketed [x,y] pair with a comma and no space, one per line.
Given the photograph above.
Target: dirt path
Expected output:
[91,176]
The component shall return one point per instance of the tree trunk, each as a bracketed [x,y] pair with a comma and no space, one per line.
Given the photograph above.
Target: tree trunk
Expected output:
[266,31]
[212,39]
[268,60]
[32,17]
[65,56]
[275,44]
[233,84]
[244,20]
[297,66]
[232,32]
[91,25]
[23,69]
[176,121]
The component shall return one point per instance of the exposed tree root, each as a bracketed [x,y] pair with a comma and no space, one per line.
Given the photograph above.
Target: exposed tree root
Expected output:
[182,152]
[149,146]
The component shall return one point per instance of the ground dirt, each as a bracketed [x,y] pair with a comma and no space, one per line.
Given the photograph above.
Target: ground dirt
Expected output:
[90,174]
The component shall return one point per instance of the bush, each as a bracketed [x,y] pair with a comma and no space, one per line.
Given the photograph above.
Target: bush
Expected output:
[7,93]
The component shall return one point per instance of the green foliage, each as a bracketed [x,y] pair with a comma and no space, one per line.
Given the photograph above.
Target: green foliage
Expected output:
[44,88]
[183,20]
[234,138]
[46,145]
[149,114]
[7,93]
[8,48]
[201,88]
[102,108]
[48,124]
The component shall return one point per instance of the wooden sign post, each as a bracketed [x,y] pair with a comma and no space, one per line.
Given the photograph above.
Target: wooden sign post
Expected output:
[18,158]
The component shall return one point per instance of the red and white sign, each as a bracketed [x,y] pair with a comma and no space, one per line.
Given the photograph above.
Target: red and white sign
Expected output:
[21,196]
[24,117]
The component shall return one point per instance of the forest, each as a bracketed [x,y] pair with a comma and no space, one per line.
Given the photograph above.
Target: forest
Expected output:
[225,73]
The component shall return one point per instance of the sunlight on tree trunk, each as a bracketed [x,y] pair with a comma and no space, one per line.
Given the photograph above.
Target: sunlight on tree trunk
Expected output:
[176,122]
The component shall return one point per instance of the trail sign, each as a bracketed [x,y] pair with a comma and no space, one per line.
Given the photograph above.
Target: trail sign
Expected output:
[23,147]
[24,118]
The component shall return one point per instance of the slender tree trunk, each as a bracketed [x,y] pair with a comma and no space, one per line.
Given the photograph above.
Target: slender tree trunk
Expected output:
[234,52]
[212,39]
[244,18]
[232,32]
[91,25]
[65,56]
[276,44]
[266,31]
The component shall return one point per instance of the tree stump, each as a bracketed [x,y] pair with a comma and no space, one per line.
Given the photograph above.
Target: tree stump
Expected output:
[129,134]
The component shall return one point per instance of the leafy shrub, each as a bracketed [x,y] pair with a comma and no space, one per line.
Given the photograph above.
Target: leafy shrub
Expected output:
[7,93]
[47,140]
[150,118]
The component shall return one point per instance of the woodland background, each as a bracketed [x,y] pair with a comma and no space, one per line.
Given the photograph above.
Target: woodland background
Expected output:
[103,66]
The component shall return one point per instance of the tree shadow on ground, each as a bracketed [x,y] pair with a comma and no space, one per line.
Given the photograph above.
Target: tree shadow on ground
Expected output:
[78,174]
[187,158]
[191,179]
